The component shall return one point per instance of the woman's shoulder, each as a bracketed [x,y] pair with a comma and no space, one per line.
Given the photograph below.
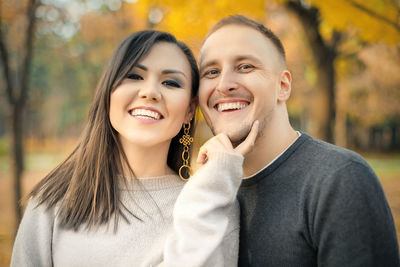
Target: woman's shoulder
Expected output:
[33,241]
[38,213]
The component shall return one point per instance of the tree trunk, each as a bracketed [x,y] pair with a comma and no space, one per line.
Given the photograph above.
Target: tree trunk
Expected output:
[341,128]
[18,98]
[17,157]
[394,145]
[323,102]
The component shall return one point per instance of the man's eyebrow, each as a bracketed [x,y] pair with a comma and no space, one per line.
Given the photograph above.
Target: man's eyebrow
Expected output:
[169,71]
[235,59]
[209,63]
[248,56]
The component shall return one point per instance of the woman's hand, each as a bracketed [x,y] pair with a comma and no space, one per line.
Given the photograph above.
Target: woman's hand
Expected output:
[221,143]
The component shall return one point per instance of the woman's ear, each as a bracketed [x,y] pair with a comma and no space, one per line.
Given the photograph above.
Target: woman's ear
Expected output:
[191,109]
[285,87]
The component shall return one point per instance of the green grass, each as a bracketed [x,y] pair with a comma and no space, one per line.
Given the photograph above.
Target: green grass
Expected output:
[37,161]
[4,145]
[385,165]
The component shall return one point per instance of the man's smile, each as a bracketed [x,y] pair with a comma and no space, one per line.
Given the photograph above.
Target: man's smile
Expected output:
[230,106]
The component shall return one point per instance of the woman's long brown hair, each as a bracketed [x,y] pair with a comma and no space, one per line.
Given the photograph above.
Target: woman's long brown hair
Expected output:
[85,185]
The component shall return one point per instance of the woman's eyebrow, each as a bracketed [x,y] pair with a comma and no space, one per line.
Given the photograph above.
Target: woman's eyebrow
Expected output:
[141,66]
[168,71]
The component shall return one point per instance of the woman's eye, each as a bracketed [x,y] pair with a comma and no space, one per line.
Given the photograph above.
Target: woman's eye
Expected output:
[171,83]
[211,73]
[134,76]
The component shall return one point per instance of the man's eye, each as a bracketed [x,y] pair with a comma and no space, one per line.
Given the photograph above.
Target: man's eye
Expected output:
[171,83]
[245,67]
[134,76]
[211,73]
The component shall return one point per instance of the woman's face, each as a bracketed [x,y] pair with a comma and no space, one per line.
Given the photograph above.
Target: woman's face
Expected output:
[150,105]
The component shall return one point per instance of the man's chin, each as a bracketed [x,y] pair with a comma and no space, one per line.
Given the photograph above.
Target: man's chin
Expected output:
[237,136]
[235,143]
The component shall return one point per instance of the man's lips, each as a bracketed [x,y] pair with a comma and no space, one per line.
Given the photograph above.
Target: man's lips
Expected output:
[227,106]
[146,113]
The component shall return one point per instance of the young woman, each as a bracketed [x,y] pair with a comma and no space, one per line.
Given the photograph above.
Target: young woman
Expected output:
[118,200]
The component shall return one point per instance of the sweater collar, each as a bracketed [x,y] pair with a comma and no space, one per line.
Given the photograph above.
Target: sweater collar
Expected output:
[151,183]
[273,165]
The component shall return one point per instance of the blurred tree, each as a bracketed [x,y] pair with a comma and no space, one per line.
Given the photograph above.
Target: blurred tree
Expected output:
[324,53]
[326,25]
[368,97]
[82,57]
[17,27]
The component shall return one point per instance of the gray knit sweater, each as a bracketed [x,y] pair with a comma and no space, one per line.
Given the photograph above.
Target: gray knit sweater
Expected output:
[316,205]
[183,224]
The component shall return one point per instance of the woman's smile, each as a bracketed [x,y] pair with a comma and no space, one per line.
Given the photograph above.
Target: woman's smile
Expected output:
[146,114]
[156,92]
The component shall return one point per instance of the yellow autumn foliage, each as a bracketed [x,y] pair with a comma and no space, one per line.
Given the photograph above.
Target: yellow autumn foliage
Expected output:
[191,20]
[373,26]
[372,21]
[375,20]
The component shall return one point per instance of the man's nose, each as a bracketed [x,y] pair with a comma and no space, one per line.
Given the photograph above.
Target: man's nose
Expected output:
[227,82]
[150,91]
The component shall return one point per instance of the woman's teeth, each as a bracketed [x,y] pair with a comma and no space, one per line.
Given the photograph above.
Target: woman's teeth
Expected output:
[145,113]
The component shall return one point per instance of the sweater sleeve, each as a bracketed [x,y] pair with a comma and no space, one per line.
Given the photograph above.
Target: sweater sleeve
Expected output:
[199,235]
[353,225]
[32,245]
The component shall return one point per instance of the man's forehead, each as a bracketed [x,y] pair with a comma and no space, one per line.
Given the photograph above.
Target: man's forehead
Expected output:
[236,41]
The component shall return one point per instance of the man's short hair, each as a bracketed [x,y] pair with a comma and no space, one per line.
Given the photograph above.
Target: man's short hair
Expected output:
[244,21]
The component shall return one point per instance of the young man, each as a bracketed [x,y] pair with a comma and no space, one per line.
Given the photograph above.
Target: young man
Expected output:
[303,202]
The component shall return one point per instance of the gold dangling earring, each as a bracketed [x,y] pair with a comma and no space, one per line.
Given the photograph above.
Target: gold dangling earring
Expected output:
[185,140]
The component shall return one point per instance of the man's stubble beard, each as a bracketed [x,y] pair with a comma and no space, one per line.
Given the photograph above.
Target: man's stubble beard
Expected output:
[238,136]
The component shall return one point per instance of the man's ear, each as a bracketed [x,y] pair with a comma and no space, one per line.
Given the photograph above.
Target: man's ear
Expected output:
[285,87]
[191,109]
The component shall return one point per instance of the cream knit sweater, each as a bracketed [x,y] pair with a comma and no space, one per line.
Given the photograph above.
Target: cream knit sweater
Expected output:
[183,224]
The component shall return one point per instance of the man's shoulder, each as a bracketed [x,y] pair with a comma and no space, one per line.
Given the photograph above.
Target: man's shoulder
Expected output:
[318,151]
[312,161]
[326,164]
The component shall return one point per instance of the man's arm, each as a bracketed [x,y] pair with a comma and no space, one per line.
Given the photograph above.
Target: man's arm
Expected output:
[353,224]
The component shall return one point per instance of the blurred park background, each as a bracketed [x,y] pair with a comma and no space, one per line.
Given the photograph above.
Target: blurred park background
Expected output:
[344,56]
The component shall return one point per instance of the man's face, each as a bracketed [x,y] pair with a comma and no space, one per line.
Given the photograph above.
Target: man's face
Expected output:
[240,79]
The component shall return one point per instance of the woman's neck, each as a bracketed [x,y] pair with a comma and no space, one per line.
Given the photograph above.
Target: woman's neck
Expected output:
[147,161]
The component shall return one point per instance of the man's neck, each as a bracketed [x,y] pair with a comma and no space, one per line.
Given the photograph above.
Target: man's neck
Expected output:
[275,140]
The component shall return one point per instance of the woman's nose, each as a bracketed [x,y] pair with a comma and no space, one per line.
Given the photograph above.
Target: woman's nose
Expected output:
[150,91]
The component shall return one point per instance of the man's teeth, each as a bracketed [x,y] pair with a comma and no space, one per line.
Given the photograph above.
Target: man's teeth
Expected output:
[145,113]
[230,106]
